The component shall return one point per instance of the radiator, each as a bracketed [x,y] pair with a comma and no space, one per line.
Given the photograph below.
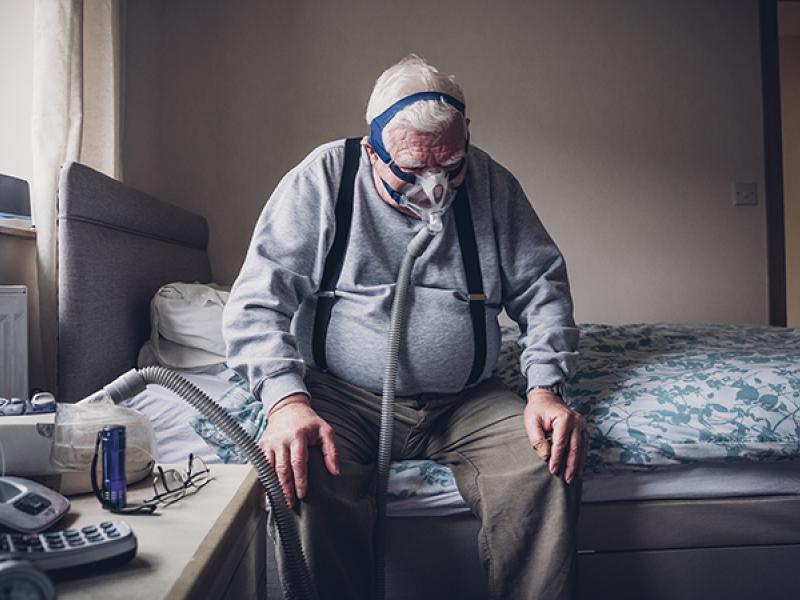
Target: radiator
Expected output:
[14,341]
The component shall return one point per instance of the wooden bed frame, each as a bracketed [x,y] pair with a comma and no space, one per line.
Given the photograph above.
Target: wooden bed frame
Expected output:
[117,246]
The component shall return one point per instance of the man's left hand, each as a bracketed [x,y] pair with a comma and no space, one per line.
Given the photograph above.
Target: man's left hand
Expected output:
[546,413]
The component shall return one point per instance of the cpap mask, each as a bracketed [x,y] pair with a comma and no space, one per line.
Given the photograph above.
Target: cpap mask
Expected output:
[428,195]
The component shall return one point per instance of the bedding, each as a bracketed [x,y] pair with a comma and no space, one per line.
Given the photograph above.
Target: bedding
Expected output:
[427,489]
[653,396]
[656,395]
[170,416]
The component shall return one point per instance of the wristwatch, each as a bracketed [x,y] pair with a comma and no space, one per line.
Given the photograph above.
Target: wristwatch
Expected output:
[557,389]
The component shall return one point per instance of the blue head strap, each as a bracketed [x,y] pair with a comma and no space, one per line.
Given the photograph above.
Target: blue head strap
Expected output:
[379,122]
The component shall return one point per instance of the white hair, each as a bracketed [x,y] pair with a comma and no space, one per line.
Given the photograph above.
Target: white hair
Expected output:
[411,75]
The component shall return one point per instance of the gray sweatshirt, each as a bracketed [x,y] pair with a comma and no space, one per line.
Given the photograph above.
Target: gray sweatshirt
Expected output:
[268,320]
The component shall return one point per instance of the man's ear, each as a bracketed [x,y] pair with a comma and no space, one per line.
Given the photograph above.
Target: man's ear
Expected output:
[370,151]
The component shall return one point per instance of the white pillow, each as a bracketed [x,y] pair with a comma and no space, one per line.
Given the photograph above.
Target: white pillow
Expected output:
[186,326]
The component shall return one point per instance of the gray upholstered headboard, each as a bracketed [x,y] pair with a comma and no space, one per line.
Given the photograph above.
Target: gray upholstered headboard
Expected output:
[116,247]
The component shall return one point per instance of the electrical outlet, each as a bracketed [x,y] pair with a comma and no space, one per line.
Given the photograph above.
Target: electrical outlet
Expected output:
[745,194]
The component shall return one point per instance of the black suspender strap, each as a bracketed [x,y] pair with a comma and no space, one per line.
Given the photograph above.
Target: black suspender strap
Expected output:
[335,259]
[472,269]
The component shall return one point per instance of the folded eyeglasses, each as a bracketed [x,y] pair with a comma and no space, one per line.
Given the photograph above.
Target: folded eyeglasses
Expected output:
[170,485]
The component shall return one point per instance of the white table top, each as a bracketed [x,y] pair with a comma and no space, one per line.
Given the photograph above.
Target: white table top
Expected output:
[167,560]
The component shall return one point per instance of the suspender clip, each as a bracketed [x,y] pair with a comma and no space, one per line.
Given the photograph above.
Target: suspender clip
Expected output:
[476,297]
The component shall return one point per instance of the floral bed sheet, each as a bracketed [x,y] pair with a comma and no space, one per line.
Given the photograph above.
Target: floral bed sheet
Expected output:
[652,396]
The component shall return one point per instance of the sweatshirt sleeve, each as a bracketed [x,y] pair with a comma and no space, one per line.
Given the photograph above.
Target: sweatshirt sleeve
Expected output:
[283,266]
[536,291]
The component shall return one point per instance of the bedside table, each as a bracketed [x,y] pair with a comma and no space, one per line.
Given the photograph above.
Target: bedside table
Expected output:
[210,544]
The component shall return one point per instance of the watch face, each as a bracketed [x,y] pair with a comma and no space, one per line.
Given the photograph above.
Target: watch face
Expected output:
[557,389]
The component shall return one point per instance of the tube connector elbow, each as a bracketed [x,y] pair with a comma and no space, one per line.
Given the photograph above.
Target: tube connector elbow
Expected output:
[434,223]
[126,386]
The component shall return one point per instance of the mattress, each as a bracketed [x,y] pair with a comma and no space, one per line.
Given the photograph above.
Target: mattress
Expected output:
[652,396]
[423,488]
[668,394]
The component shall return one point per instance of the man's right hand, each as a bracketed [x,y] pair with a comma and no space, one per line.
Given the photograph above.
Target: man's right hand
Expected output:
[292,427]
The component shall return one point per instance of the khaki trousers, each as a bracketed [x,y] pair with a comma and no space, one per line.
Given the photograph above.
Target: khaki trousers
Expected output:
[528,515]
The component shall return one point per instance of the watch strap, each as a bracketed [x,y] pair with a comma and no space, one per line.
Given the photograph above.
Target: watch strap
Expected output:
[557,389]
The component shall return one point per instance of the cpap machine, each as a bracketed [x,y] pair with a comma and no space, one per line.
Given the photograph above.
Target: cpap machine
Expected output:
[32,447]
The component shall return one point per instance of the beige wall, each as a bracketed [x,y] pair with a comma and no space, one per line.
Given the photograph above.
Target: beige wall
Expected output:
[18,255]
[790,117]
[626,121]
[16,74]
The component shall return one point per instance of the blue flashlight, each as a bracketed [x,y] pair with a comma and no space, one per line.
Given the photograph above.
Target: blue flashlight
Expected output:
[113,453]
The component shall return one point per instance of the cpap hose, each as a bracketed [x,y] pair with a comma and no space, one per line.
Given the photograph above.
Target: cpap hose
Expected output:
[301,586]
[398,318]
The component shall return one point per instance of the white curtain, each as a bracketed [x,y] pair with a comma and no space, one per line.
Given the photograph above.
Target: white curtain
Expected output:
[76,116]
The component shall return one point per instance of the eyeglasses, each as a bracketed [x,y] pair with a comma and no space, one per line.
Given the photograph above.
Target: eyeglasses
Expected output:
[170,485]
[408,174]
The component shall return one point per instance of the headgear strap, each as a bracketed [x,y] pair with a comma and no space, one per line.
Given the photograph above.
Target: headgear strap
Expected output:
[379,122]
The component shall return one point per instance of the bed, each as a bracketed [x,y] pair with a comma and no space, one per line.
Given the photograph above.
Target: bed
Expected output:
[667,511]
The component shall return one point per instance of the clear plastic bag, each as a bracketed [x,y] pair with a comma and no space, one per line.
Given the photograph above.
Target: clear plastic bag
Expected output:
[75,434]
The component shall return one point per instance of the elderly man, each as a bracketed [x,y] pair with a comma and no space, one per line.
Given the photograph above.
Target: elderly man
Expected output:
[316,359]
